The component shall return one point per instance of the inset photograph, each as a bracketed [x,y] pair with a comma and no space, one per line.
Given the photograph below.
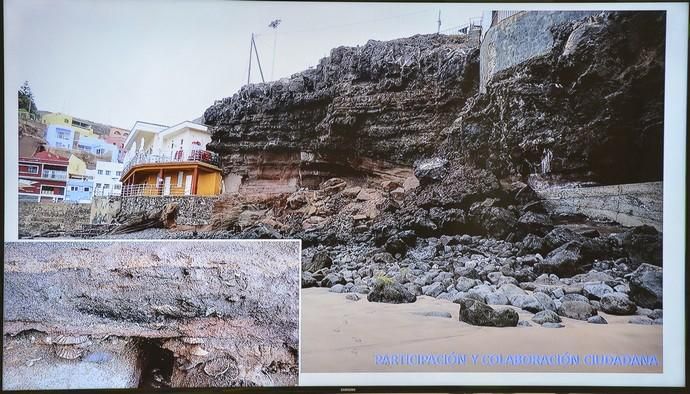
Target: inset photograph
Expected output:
[153,314]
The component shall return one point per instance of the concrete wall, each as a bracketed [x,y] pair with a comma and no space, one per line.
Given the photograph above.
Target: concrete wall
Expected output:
[630,204]
[193,210]
[519,38]
[37,218]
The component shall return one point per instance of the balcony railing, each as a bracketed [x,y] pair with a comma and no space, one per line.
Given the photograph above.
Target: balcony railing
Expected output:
[50,174]
[153,190]
[203,156]
[101,192]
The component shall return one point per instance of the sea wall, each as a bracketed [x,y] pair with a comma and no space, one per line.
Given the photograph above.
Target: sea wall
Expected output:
[193,210]
[40,218]
[629,204]
[519,38]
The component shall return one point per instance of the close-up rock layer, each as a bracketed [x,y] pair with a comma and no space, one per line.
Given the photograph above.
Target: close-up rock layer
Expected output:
[116,314]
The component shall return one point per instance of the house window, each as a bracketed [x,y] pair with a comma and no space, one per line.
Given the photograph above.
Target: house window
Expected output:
[118,173]
[100,172]
[107,172]
[87,189]
[98,185]
[118,187]
[180,175]
[106,186]
[100,151]
[29,169]
[74,188]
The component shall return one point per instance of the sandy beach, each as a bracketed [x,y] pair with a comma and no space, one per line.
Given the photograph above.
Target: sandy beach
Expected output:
[339,335]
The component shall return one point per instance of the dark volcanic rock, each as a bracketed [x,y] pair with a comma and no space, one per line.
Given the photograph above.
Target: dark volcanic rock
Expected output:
[646,287]
[592,107]
[546,316]
[390,291]
[576,310]
[617,304]
[575,257]
[643,244]
[461,187]
[479,314]
[535,223]
[431,170]
[491,220]
[370,101]
[320,260]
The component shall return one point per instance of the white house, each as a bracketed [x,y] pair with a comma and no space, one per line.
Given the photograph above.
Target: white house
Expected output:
[106,178]
[175,143]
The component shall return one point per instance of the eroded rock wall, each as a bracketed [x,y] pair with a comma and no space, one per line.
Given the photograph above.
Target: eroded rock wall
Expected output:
[382,101]
[591,109]
[228,311]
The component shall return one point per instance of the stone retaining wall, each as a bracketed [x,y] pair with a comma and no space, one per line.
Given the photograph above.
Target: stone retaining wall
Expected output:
[193,210]
[37,218]
[105,209]
[629,204]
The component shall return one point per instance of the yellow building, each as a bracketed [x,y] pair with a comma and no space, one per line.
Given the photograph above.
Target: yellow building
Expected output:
[79,127]
[76,166]
[170,161]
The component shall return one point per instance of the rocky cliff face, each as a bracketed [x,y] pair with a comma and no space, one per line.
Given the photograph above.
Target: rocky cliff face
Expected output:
[591,109]
[384,100]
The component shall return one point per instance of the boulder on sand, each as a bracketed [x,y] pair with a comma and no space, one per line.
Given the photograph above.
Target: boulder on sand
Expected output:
[387,290]
[479,314]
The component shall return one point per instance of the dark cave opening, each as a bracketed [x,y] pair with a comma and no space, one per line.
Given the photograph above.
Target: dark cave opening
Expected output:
[157,364]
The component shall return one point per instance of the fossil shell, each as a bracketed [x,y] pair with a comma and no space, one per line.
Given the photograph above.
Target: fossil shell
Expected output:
[68,352]
[193,340]
[70,340]
[198,351]
[221,365]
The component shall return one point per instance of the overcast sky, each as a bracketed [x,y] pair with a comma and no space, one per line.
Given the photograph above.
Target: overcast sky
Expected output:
[119,61]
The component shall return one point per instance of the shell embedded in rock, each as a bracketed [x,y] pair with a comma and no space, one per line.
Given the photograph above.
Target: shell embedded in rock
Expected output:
[221,365]
[68,352]
[70,340]
[193,340]
[198,351]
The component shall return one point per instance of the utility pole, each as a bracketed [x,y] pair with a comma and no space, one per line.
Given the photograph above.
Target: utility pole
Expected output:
[252,48]
[274,25]
[438,31]
[256,52]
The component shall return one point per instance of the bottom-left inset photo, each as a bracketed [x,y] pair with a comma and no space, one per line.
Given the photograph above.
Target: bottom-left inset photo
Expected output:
[150,314]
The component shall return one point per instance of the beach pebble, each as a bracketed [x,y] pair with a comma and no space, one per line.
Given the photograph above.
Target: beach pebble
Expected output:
[597,320]
[352,297]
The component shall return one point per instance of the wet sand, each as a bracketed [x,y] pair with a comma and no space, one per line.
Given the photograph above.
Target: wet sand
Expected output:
[339,335]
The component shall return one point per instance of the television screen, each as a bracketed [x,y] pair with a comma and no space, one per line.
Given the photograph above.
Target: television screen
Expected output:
[344,196]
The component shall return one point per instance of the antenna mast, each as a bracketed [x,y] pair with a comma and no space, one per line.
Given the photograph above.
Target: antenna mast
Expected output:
[438,31]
